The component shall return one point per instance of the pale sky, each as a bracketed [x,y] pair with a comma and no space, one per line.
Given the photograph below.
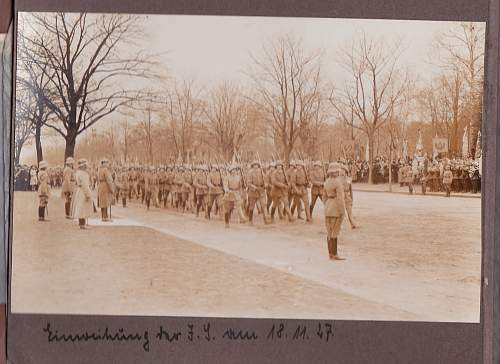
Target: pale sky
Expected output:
[211,48]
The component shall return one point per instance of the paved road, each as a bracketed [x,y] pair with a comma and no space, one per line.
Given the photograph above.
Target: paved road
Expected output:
[414,258]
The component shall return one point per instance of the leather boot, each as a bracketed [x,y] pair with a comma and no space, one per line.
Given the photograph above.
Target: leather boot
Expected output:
[104,214]
[335,252]
[67,207]
[41,213]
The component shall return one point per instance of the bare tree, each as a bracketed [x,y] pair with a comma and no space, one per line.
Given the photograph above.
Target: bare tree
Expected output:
[80,54]
[183,111]
[23,129]
[228,123]
[375,88]
[461,56]
[147,127]
[442,105]
[288,81]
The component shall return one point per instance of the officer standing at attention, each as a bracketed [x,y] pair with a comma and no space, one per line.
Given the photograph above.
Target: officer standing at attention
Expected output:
[68,185]
[43,190]
[333,195]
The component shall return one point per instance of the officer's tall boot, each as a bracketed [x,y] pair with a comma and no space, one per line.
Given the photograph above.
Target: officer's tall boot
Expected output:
[67,207]
[329,243]
[124,202]
[209,210]
[104,214]
[198,207]
[227,216]
[335,253]
[250,216]
[41,213]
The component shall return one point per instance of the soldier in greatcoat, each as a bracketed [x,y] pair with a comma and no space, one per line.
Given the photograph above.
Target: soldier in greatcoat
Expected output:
[82,204]
[43,190]
[68,185]
[105,189]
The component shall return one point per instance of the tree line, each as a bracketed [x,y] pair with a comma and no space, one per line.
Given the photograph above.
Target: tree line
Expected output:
[72,70]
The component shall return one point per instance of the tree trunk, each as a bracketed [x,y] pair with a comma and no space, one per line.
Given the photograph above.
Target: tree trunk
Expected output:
[69,151]
[390,165]
[17,153]
[38,142]
[370,157]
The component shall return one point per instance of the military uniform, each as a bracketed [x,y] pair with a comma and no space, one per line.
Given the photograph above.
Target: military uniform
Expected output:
[105,190]
[68,185]
[257,192]
[333,195]
[43,190]
[232,198]
[300,185]
[82,206]
[279,192]
[201,189]
[317,180]
[215,190]
[447,180]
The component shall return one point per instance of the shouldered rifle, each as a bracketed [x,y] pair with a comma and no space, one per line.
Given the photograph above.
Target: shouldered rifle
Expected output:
[241,171]
[261,171]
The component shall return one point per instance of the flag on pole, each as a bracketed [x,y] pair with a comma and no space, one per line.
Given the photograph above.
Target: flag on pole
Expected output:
[478,153]
[465,143]
[405,149]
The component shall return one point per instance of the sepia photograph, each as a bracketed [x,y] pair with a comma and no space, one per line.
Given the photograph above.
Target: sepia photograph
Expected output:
[247,167]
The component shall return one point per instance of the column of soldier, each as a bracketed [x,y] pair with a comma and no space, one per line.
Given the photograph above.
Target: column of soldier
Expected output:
[215,190]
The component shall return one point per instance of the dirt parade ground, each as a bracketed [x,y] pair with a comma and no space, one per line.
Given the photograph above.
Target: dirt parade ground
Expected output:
[413,258]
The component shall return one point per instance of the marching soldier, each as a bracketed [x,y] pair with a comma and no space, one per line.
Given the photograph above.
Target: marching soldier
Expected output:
[187,189]
[82,206]
[168,185]
[43,190]
[201,189]
[148,186]
[447,179]
[68,185]
[257,191]
[317,180]
[215,190]
[179,185]
[105,189]
[232,197]
[124,186]
[333,196]
[300,186]
[279,192]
